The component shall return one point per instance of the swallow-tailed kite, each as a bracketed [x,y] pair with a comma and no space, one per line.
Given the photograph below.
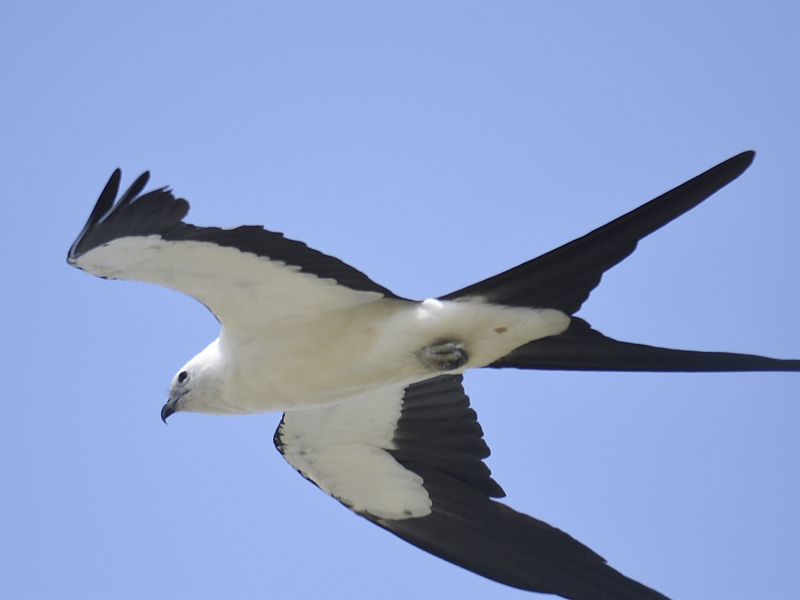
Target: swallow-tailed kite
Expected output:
[370,383]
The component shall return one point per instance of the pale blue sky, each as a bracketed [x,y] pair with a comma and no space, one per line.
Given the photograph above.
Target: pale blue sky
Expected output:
[429,145]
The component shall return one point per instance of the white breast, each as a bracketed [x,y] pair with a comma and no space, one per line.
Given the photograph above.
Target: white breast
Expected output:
[304,362]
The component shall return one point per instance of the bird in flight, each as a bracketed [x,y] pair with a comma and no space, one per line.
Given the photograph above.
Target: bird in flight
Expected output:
[370,383]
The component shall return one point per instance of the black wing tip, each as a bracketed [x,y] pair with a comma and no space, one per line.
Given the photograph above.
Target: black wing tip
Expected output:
[564,277]
[741,162]
[135,188]
[107,205]
[107,197]
[495,541]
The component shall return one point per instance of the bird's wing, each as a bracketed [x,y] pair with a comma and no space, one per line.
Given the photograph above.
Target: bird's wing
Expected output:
[244,275]
[563,278]
[411,461]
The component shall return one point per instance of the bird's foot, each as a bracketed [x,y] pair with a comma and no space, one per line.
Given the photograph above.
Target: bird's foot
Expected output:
[443,357]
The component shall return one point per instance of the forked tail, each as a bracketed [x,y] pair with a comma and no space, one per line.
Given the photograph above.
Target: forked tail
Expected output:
[564,278]
[581,348]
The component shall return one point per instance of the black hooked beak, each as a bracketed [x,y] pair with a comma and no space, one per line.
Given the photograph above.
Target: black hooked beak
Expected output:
[167,410]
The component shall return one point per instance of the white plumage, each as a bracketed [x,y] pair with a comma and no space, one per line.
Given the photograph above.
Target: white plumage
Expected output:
[375,413]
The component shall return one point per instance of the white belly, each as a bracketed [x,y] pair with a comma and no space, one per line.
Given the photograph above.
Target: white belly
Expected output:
[306,362]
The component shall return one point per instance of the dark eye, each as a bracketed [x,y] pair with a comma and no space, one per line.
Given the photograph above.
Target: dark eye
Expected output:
[182,376]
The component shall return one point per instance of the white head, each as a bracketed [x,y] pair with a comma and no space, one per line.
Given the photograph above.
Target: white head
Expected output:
[198,386]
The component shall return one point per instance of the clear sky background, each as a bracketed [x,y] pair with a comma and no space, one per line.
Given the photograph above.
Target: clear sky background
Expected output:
[430,145]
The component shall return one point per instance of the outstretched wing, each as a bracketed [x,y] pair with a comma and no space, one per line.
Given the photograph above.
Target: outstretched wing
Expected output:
[563,278]
[411,461]
[244,275]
